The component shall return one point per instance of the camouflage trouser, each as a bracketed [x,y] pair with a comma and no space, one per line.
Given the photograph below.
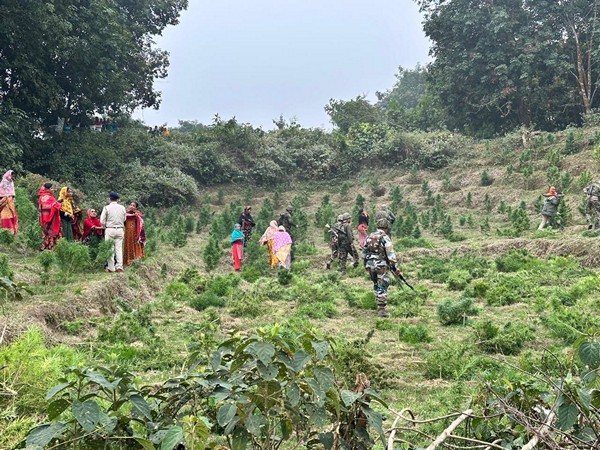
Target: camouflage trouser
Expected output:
[592,213]
[247,235]
[381,282]
[343,255]
[333,256]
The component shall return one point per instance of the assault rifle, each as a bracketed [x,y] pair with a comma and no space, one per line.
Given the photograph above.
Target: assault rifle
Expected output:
[400,278]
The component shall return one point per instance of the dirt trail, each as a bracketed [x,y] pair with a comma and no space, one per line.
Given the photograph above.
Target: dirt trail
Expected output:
[585,250]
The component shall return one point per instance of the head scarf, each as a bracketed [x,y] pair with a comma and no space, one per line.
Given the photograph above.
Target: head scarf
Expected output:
[269,233]
[282,238]
[7,185]
[67,202]
[90,222]
[237,234]
[551,191]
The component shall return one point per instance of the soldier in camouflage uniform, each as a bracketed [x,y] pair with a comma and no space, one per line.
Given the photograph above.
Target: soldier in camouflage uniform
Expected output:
[385,213]
[379,258]
[333,240]
[592,207]
[346,242]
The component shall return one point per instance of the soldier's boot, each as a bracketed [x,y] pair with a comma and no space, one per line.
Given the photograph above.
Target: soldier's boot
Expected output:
[381,312]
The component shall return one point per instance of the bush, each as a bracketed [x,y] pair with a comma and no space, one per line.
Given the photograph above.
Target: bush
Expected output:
[508,340]
[72,257]
[447,362]
[249,305]
[477,288]
[5,270]
[513,260]
[6,237]
[284,276]
[456,312]
[485,179]
[205,300]
[363,300]
[212,254]
[414,334]
[318,310]
[458,280]
[508,289]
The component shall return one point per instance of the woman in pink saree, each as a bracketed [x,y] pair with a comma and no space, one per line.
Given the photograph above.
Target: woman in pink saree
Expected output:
[282,247]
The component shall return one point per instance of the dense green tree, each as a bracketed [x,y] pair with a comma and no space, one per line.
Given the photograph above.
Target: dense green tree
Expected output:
[70,58]
[500,64]
[344,114]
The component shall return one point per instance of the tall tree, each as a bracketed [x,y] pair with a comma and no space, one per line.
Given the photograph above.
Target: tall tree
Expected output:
[68,58]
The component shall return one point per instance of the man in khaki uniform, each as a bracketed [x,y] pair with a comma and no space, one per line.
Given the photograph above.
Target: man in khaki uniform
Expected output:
[113,220]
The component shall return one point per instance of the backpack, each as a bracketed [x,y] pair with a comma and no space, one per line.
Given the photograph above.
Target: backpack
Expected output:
[375,246]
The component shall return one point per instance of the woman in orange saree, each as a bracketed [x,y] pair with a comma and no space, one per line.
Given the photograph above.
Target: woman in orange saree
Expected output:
[135,234]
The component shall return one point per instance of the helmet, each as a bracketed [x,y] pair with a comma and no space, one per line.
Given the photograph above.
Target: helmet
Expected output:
[382,223]
[289,209]
[340,218]
[346,216]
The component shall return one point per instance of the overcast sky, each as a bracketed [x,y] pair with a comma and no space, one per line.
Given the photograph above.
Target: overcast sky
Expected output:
[257,60]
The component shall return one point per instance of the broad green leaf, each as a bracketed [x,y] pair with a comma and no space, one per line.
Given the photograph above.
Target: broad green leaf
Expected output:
[253,423]
[57,407]
[99,379]
[567,416]
[172,438]
[145,443]
[264,351]
[196,433]
[56,389]
[268,372]
[141,406]
[376,421]
[585,397]
[595,398]
[239,440]
[321,349]
[325,377]
[43,434]
[318,416]
[293,394]
[315,387]
[86,413]
[109,423]
[327,440]
[589,352]
[301,358]
[286,427]
[225,414]
[349,397]
[231,426]
[375,396]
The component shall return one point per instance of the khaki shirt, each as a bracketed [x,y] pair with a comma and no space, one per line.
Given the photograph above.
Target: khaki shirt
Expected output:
[113,216]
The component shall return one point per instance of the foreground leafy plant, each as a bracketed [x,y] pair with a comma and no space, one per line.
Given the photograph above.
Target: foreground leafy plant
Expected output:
[258,391]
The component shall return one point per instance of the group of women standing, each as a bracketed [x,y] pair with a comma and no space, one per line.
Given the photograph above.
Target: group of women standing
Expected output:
[277,240]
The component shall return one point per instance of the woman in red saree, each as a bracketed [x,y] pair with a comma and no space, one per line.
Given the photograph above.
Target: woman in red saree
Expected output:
[8,210]
[49,209]
[237,247]
[92,227]
[135,234]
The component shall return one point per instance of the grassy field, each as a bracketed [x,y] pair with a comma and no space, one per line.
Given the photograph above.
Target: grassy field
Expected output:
[494,296]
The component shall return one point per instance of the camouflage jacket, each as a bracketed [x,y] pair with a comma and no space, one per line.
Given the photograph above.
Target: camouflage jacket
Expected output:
[378,251]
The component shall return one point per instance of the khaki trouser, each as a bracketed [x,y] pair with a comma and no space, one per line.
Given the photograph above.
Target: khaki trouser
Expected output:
[546,221]
[115,235]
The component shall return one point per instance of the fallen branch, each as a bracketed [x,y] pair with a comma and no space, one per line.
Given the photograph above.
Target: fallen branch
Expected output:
[541,432]
[448,431]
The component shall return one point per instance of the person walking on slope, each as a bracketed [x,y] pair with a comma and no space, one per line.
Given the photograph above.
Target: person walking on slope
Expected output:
[237,247]
[8,209]
[282,246]
[592,206]
[346,243]
[113,220]
[268,238]
[333,240]
[379,258]
[385,213]
[49,209]
[550,208]
[363,227]
[247,223]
